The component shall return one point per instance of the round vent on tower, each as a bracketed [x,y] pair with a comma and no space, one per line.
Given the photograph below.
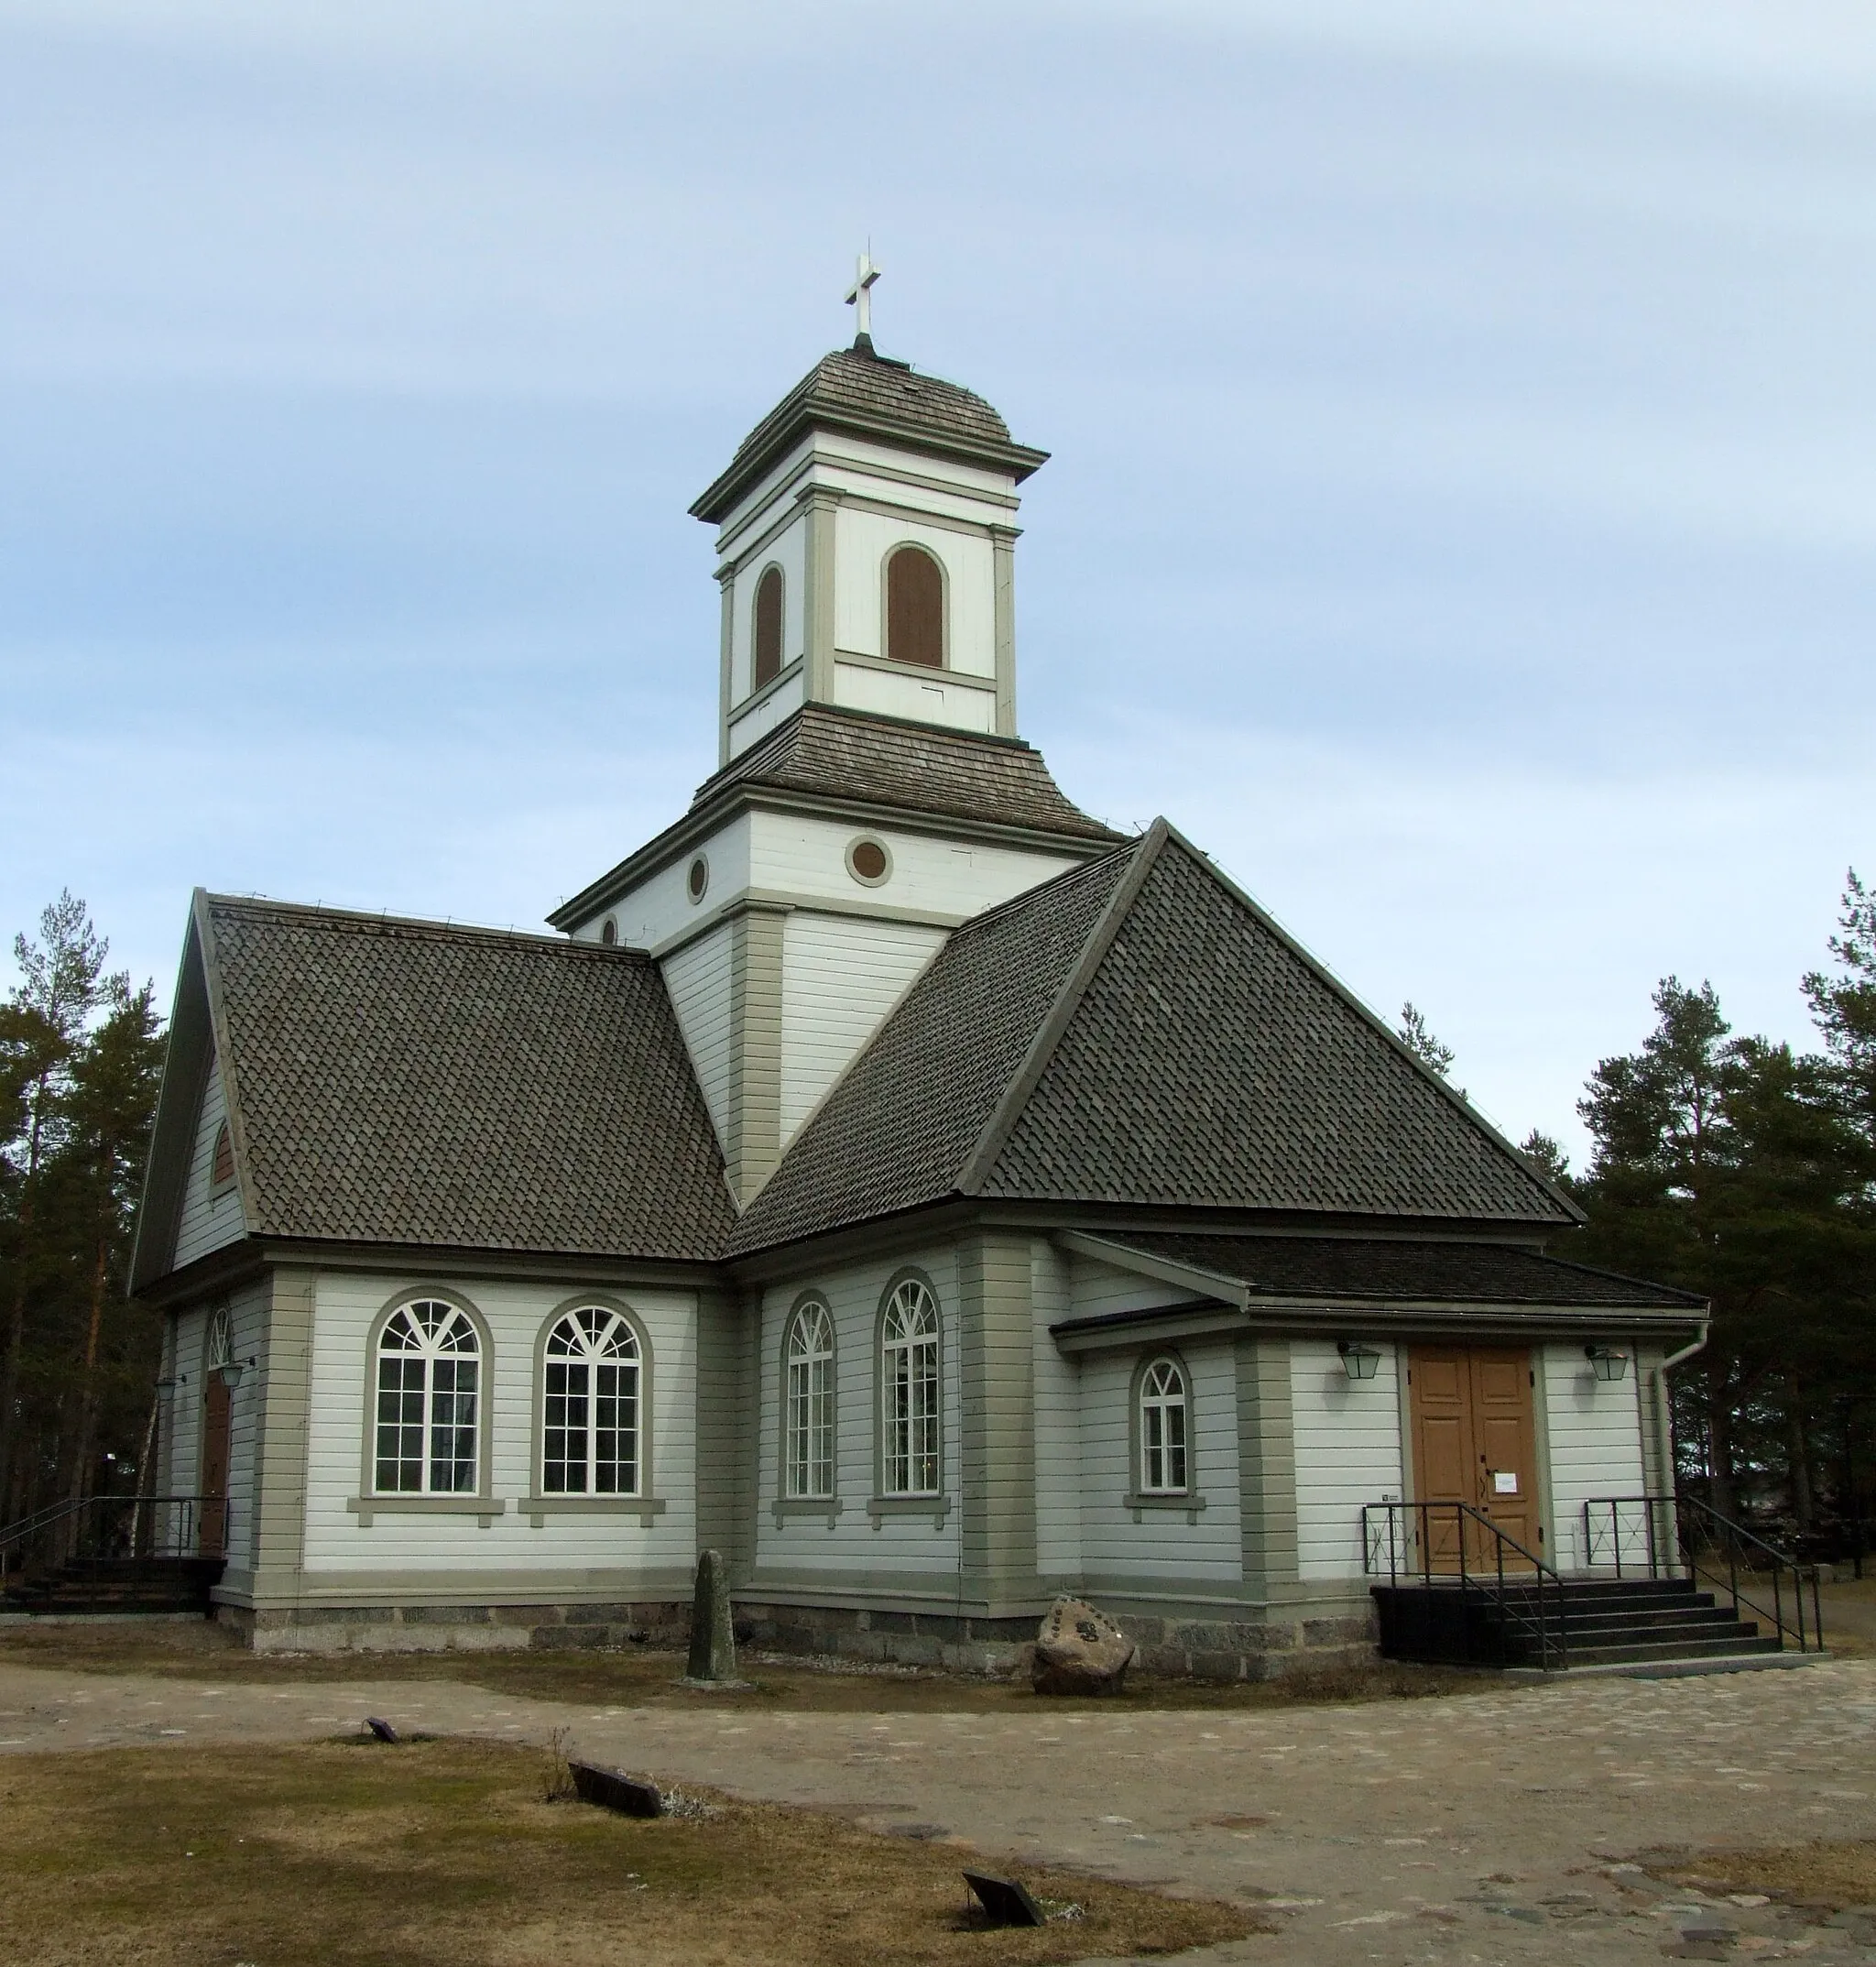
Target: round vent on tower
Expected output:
[868,861]
[697,881]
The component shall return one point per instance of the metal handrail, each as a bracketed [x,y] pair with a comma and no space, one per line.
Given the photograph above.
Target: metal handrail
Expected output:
[158,1526]
[1511,1598]
[1737,1540]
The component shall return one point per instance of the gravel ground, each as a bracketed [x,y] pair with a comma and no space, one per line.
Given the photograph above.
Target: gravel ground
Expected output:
[1508,1825]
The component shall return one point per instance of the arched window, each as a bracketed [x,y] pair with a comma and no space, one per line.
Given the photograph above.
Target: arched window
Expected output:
[915,608]
[808,1469]
[1162,1430]
[908,1391]
[589,1432]
[767,626]
[429,1384]
[222,1161]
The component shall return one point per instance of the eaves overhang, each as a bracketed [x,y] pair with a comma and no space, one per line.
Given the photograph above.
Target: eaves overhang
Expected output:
[791,422]
[1363,1316]
[700,821]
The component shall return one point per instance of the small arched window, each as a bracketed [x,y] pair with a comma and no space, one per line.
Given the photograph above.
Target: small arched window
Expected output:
[810,1403]
[609,931]
[429,1387]
[768,637]
[915,608]
[908,1391]
[222,1161]
[589,1433]
[1162,1430]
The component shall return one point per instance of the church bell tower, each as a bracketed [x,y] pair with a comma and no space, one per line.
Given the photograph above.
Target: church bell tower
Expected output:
[866,538]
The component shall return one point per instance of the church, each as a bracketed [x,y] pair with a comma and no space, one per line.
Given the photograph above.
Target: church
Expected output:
[888,1175]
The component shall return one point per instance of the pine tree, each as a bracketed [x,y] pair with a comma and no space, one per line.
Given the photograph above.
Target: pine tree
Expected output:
[47,1014]
[1412,1033]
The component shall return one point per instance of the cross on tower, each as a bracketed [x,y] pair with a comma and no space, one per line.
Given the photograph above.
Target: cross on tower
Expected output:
[860,295]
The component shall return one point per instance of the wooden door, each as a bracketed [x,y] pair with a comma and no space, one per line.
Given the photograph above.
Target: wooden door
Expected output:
[1504,1435]
[1474,1442]
[213,1484]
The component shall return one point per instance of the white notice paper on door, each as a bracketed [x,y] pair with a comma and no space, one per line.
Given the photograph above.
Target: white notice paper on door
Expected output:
[1504,1481]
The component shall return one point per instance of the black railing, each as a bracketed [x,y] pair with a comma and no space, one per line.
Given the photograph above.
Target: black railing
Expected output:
[1680,1536]
[101,1530]
[1460,1549]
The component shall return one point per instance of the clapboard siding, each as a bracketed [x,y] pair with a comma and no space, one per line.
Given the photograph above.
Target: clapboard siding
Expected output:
[248,1341]
[208,1221]
[1164,1544]
[698,977]
[1347,1453]
[1058,1420]
[795,855]
[185,1402]
[1594,1430]
[853,1551]
[345,1307]
[1104,1290]
[840,975]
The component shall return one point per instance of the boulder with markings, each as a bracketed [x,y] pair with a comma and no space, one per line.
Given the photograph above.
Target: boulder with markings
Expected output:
[1079,1651]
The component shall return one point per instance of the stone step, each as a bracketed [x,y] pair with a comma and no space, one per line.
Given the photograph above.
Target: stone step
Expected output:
[1722,1644]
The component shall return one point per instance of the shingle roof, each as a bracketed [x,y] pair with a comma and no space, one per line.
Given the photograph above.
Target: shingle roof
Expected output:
[874,396]
[919,768]
[1138,1033]
[408,1082]
[1399,1271]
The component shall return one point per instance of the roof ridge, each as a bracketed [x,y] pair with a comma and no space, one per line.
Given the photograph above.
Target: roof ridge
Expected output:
[358,921]
[1100,938]
[1348,997]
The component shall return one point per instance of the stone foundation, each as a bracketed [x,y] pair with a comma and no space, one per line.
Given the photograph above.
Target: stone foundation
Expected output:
[459,1628]
[1175,1647]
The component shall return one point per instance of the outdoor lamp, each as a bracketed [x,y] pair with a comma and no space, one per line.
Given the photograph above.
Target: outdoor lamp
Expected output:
[1610,1365]
[1358,1362]
[231,1371]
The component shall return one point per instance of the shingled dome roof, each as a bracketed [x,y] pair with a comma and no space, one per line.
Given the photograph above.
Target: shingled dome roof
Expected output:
[919,768]
[1138,1033]
[872,396]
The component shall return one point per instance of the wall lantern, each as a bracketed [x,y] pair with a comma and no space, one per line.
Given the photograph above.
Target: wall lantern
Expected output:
[1609,1363]
[1358,1362]
[229,1370]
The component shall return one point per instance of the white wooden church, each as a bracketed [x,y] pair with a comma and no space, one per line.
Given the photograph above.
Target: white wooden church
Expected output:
[889,1175]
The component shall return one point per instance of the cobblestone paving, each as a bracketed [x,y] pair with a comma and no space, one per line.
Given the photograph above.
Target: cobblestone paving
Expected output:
[1496,1827]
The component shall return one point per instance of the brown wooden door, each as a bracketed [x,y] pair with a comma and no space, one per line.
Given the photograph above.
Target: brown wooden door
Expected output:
[213,1486]
[1474,1441]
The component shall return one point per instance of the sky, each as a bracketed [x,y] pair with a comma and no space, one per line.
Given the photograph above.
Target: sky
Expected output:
[1460,521]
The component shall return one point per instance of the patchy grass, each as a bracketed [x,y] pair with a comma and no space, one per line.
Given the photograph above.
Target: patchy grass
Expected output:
[355,1854]
[636,1676]
[1832,1872]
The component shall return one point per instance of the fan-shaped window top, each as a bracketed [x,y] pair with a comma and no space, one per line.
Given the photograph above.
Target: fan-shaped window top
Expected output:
[908,1391]
[429,1384]
[809,1468]
[1162,1430]
[590,1421]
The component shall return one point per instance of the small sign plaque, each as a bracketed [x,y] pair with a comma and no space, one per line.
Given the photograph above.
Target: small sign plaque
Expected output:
[1504,1481]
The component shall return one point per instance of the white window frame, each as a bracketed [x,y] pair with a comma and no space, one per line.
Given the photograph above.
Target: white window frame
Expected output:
[443,1405]
[911,1392]
[598,1369]
[1164,1404]
[808,1405]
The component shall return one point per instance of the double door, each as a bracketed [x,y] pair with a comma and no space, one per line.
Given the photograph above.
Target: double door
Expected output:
[1474,1441]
